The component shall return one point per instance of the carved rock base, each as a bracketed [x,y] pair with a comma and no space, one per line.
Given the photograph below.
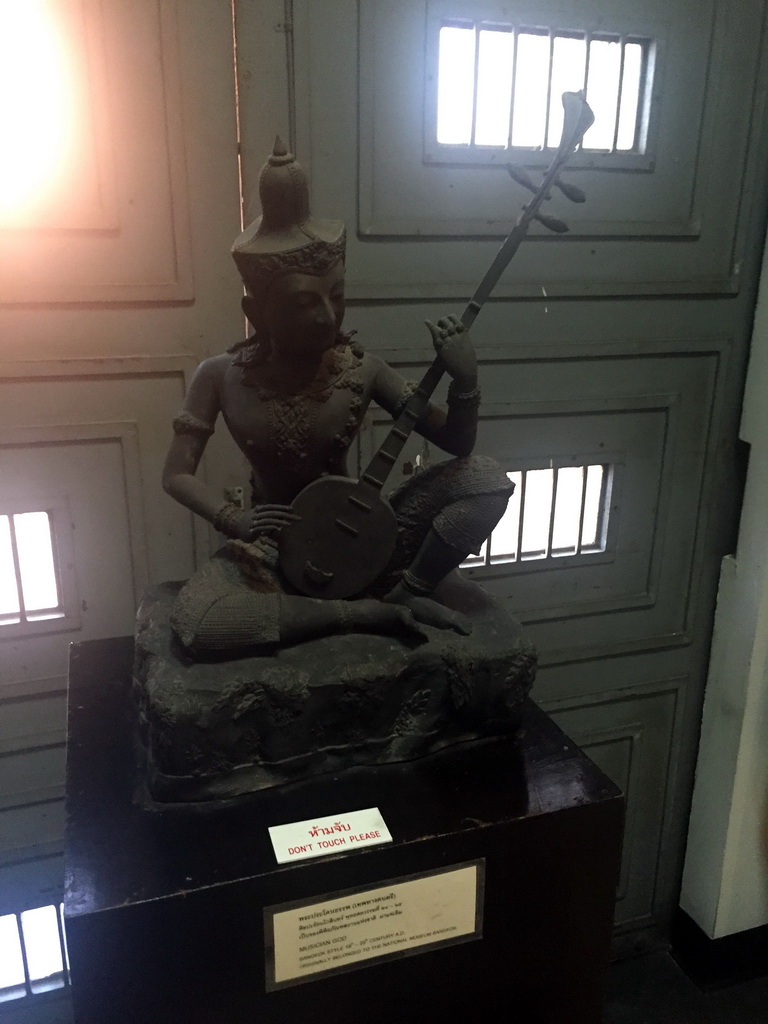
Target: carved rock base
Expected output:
[217,729]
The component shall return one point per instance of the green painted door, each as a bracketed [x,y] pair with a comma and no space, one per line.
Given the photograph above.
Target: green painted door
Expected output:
[620,346]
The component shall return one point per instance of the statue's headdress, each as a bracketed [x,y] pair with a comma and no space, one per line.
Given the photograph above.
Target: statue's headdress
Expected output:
[286,237]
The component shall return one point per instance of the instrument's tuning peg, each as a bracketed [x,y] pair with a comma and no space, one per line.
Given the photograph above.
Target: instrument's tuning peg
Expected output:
[552,223]
[521,176]
[571,192]
[577,119]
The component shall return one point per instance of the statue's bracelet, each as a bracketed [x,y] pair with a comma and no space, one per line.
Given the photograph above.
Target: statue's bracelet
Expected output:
[227,519]
[454,395]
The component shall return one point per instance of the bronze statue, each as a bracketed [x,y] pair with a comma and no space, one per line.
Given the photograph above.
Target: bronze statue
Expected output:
[293,397]
[330,630]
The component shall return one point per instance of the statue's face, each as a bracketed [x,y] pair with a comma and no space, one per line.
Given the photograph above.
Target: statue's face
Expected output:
[303,312]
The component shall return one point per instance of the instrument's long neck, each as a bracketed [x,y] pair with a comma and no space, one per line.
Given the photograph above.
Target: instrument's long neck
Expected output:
[380,466]
[577,118]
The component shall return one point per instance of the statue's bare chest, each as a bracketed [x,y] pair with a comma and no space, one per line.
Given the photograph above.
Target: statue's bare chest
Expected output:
[304,433]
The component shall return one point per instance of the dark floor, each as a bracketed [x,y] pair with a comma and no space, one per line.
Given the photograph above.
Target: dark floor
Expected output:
[647,990]
[653,990]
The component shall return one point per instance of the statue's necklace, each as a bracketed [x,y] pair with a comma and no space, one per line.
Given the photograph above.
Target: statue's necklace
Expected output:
[292,417]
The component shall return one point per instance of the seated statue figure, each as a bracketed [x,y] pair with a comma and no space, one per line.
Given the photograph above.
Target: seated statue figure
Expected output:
[293,397]
[243,681]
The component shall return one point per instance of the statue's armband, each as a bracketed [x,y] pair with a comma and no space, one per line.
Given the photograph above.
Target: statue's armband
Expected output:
[408,389]
[186,423]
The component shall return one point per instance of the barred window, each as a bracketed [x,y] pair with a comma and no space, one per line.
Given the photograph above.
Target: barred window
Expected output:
[498,88]
[33,953]
[37,586]
[554,514]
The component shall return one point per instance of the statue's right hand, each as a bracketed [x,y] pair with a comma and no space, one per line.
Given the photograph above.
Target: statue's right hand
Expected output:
[371,616]
[264,519]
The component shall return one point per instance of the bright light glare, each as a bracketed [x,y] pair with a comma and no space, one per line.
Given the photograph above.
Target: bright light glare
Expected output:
[565,532]
[603,92]
[531,79]
[11,963]
[573,484]
[504,537]
[480,85]
[536,512]
[494,87]
[41,941]
[568,63]
[9,594]
[38,573]
[36,108]
[455,85]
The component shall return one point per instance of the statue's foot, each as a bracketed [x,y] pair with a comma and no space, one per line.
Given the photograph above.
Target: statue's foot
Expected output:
[429,612]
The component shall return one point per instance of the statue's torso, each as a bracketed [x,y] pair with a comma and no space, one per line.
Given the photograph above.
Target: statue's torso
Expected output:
[291,439]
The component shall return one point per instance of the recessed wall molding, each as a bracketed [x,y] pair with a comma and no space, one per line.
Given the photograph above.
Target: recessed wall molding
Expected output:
[98,376]
[126,435]
[48,687]
[422,227]
[37,741]
[630,732]
[648,417]
[119,229]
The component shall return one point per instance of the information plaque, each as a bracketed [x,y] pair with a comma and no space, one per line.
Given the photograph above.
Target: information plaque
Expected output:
[353,928]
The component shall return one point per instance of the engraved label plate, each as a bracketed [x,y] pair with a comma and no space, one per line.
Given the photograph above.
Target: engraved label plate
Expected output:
[346,930]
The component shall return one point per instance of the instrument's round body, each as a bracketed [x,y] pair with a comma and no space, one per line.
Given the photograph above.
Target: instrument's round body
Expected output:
[343,540]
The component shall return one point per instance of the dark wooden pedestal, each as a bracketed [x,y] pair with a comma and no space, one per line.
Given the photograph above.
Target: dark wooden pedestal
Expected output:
[164,908]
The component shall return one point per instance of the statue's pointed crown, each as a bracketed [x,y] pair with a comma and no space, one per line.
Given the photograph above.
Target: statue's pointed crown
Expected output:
[286,236]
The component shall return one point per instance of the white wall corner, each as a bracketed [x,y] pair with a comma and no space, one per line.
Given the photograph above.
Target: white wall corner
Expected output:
[725,881]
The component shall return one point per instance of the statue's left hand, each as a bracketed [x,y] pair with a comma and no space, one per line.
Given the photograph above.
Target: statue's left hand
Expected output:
[454,346]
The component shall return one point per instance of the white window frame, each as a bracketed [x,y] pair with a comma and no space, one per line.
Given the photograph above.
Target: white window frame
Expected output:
[550,19]
[36,990]
[60,518]
[608,524]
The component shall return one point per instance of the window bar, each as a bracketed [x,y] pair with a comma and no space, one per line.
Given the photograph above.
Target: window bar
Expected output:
[549,87]
[581,510]
[474,84]
[62,944]
[488,540]
[623,43]
[17,571]
[641,92]
[25,965]
[521,520]
[56,560]
[553,503]
[514,84]
[605,490]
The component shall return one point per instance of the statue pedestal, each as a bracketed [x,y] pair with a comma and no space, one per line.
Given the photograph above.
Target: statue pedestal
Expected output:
[165,908]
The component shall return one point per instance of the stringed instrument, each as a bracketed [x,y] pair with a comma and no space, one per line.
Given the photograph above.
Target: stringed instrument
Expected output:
[346,533]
